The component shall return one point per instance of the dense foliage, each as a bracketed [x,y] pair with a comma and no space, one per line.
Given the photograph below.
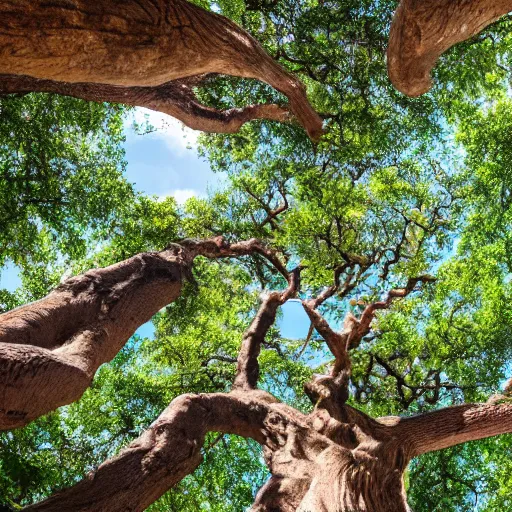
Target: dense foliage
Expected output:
[396,188]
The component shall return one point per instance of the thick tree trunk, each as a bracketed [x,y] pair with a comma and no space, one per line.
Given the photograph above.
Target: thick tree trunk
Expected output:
[51,349]
[137,45]
[334,460]
[423,30]
[312,470]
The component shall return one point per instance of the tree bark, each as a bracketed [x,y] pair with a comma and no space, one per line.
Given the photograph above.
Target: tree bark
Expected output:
[318,462]
[168,450]
[335,459]
[51,349]
[422,30]
[455,425]
[133,50]
[176,99]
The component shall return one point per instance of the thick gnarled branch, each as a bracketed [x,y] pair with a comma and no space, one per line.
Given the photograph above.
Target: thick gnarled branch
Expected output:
[51,349]
[140,45]
[423,30]
[163,455]
[176,99]
[170,449]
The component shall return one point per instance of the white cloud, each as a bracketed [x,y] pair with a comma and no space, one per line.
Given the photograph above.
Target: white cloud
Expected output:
[181,195]
[175,134]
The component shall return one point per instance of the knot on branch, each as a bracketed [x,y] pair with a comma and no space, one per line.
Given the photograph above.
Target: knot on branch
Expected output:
[331,388]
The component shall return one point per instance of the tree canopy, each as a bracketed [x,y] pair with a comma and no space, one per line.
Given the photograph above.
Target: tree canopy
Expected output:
[397,219]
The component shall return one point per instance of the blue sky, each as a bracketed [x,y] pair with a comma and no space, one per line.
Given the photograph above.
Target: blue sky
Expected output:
[165,163]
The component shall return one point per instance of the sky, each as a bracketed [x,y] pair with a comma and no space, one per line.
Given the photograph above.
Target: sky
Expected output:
[163,163]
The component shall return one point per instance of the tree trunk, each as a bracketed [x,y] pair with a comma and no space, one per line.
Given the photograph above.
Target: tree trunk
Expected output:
[139,45]
[50,349]
[318,464]
[335,459]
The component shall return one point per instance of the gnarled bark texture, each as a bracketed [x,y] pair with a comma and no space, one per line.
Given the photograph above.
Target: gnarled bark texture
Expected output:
[320,462]
[176,99]
[51,349]
[335,459]
[138,52]
[423,30]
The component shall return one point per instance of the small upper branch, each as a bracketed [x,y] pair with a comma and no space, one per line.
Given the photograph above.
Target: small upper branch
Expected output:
[362,325]
[272,213]
[248,367]
[335,341]
[331,290]
[454,425]
[219,247]
[335,386]
[422,31]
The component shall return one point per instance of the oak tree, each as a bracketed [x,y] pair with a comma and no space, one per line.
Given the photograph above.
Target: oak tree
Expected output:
[391,234]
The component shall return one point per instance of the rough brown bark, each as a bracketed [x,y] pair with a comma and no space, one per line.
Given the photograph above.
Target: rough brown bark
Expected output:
[455,425]
[423,30]
[176,99]
[318,462]
[133,51]
[51,349]
[168,451]
[335,459]
[304,453]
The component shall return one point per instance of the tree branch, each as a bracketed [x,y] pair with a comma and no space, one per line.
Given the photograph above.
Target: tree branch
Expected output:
[332,390]
[248,368]
[170,449]
[142,44]
[50,349]
[219,247]
[454,425]
[422,31]
[362,325]
[163,455]
[176,99]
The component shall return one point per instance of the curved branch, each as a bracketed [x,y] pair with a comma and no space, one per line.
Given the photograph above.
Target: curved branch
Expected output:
[171,449]
[219,247]
[176,99]
[248,369]
[142,44]
[454,425]
[362,325]
[163,455]
[51,349]
[423,30]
